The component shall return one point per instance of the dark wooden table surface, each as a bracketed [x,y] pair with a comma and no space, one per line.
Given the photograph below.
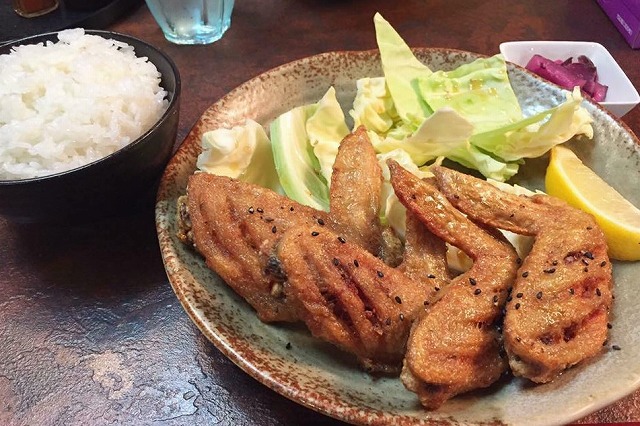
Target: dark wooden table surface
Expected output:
[90,330]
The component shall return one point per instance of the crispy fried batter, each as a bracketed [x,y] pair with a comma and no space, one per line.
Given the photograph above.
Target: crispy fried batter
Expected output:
[356,183]
[454,347]
[354,300]
[560,303]
[424,259]
[236,226]
[349,297]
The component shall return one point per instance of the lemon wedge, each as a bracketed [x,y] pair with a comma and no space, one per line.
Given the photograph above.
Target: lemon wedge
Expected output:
[570,180]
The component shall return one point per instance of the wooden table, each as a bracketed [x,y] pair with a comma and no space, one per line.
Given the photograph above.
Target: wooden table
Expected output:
[90,330]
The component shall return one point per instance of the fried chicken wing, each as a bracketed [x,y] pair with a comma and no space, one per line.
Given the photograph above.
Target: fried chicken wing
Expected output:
[424,258]
[559,311]
[236,226]
[454,347]
[350,298]
[354,194]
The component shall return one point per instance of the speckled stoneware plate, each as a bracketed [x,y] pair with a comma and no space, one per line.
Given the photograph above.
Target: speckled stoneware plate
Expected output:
[289,361]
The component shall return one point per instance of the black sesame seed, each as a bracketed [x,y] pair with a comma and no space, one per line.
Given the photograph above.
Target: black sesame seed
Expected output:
[251,210]
[615,347]
[539,295]
[274,230]
[398,300]
[436,288]
[554,263]
[426,303]
[320,222]
[518,261]
[585,269]
[609,325]
[519,295]
[388,321]
[549,271]
[259,210]
[472,281]
[288,345]
[585,261]
[356,263]
[589,228]
[517,306]
[588,254]
[431,276]
[380,274]
[603,263]
[291,209]
[342,240]
[401,317]
[336,261]
[525,274]
[598,292]
[571,291]
[477,291]
[495,299]
[315,233]
[509,298]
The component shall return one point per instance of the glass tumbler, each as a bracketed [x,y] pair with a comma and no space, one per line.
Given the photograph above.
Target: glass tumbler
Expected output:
[192,21]
[33,8]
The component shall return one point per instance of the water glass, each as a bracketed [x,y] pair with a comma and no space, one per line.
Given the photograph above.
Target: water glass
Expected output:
[192,21]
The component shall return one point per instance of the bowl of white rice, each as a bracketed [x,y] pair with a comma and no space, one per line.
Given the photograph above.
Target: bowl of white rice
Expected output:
[88,121]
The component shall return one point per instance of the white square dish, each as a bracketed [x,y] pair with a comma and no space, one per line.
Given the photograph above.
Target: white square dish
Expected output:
[622,96]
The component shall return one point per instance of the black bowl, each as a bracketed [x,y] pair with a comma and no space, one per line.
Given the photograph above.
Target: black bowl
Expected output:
[118,183]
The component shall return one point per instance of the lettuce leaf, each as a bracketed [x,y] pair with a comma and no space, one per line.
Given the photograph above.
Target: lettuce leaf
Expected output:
[373,106]
[326,128]
[305,142]
[479,91]
[401,71]
[443,132]
[469,115]
[242,152]
[533,136]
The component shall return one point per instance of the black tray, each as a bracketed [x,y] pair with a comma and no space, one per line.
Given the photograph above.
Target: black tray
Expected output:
[13,26]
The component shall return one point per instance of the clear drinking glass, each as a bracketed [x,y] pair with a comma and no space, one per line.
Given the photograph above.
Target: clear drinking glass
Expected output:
[33,8]
[192,21]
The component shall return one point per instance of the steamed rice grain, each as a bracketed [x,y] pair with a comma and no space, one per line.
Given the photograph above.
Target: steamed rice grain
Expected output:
[67,103]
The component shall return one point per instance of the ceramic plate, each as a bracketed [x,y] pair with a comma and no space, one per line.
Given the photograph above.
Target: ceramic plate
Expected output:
[289,361]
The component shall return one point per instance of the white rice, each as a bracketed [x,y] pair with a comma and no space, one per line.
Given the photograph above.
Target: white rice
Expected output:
[68,103]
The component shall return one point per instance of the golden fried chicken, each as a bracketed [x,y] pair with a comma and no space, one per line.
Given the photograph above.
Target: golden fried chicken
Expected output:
[345,294]
[352,299]
[454,347]
[354,195]
[236,226]
[424,258]
[559,308]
